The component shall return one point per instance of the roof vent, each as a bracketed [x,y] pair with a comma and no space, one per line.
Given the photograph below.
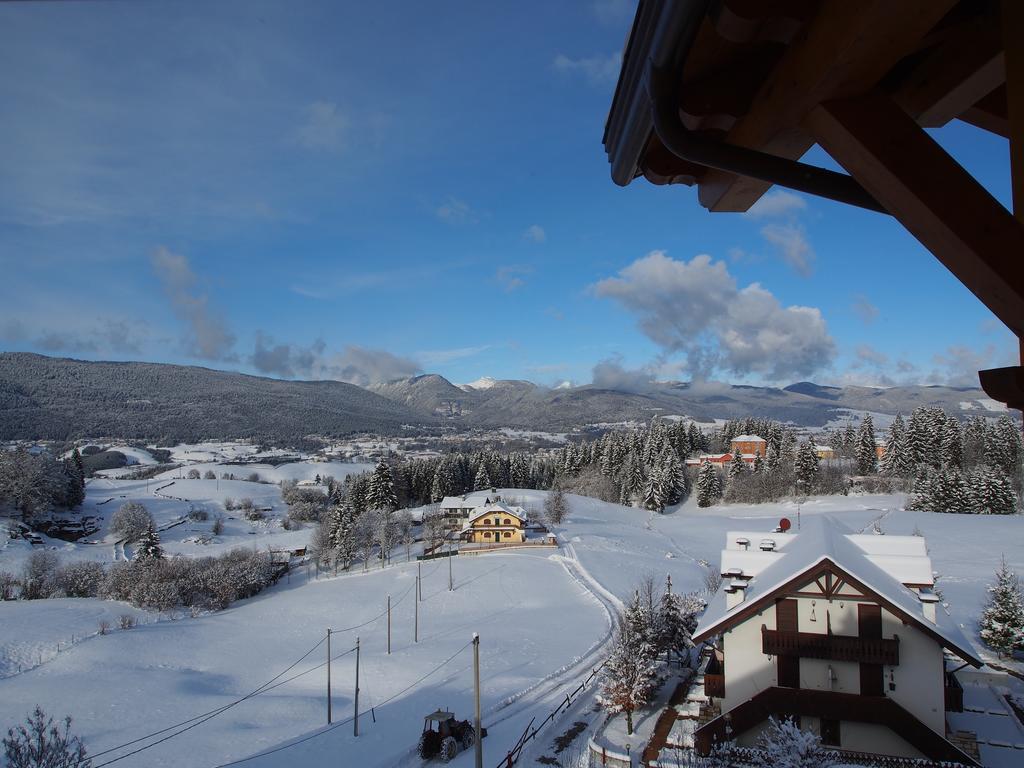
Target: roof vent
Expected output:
[743,542]
[767,545]
[928,602]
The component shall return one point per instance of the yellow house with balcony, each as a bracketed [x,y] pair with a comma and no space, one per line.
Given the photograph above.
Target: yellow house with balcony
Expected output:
[495,523]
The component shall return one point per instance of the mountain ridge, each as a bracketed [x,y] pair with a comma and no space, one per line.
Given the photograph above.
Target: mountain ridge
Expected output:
[45,397]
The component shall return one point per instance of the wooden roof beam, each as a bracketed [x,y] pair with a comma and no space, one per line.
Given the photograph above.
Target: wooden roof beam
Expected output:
[844,50]
[953,77]
[939,202]
[989,113]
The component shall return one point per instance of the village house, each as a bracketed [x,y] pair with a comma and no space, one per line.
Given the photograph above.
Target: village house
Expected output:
[825,452]
[842,632]
[718,458]
[748,444]
[495,523]
[455,510]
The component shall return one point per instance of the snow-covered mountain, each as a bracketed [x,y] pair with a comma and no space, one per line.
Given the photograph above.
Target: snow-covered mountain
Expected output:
[46,397]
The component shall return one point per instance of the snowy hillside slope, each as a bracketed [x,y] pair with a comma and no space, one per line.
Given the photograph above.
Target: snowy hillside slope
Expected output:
[543,618]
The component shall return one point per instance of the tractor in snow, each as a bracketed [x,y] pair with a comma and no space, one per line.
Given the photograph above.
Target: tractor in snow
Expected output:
[444,736]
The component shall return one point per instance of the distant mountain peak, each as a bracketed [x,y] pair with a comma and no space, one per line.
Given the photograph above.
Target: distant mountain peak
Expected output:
[484,382]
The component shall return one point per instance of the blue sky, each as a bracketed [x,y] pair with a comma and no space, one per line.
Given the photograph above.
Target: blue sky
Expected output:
[366,191]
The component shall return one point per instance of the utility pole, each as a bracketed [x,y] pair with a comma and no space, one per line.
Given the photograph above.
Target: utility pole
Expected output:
[328,675]
[416,625]
[450,587]
[389,625]
[478,745]
[419,581]
[355,721]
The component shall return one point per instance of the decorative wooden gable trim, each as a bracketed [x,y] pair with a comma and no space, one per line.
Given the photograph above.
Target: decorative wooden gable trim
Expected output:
[812,576]
[830,585]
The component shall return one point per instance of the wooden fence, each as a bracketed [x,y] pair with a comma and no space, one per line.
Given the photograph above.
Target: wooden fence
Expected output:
[531,731]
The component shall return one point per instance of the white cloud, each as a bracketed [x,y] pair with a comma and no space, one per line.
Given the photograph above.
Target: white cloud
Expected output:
[431,357]
[776,203]
[324,127]
[612,374]
[455,210]
[696,308]
[864,309]
[597,70]
[535,233]
[207,334]
[790,242]
[511,277]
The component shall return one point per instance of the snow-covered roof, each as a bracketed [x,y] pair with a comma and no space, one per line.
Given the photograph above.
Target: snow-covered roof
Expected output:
[456,502]
[883,567]
[501,509]
[748,439]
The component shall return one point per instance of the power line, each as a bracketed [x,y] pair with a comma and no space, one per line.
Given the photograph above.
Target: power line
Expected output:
[210,713]
[347,720]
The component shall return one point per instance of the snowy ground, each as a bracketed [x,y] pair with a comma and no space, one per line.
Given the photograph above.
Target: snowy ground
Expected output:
[542,617]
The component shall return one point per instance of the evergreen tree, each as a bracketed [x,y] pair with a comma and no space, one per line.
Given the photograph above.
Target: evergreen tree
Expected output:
[806,468]
[342,536]
[381,491]
[482,481]
[758,466]
[992,492]
[866,454]
[149,546]
[896,461]
[655,492]
[1002,621]
[737,466]
[674,625]
[708,485]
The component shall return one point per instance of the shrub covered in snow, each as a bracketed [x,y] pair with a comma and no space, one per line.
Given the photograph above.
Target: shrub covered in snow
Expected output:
[39,579]
[130,521]
[206,583]
[81,579]
[40,742]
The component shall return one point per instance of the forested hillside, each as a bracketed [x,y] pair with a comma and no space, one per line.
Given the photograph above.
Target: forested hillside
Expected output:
[55,398]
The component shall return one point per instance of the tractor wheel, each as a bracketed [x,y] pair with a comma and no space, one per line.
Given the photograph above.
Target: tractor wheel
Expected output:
[468,738]
[449,748]
[430,744]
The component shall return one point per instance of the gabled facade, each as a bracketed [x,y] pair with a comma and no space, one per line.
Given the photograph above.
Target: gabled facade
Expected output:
[456,510]
[840,630]
[495,523]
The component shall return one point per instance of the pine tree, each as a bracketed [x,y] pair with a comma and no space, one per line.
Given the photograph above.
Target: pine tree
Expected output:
[806,468]
[655,492]
[674,625]
[482,481]
[1002,621]
[708,485]
[737,466]
[896,460]
[992,492]
[758,466]
[381,492]
[342,537]
[866,454]
[149,546]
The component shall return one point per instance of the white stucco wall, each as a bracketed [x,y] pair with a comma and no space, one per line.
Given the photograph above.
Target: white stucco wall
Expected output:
[918,678]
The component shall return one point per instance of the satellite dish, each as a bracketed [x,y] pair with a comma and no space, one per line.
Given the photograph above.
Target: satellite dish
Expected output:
[784,524]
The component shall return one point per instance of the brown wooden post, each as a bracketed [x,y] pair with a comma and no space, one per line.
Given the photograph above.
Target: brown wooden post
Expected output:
[1012,22]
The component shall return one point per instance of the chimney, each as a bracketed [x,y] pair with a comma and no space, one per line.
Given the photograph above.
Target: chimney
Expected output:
[743,542]
[767,545]
[929,600]
[734,593]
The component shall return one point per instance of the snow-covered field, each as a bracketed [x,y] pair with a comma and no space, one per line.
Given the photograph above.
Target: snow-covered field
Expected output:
[537,614]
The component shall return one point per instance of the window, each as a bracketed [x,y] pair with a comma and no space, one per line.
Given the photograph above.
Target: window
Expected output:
[508,522]
[830,732]
[508,535]
[487,534]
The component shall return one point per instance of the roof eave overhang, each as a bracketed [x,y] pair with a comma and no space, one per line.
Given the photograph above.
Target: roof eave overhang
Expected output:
[662,34]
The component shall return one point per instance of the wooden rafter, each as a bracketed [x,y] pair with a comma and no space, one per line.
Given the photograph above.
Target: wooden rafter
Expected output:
[844,50]
[939,202]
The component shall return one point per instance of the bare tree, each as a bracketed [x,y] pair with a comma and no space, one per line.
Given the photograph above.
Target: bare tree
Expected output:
[40,742]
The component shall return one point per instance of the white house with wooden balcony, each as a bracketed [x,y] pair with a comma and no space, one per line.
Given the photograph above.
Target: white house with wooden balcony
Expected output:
[839,630]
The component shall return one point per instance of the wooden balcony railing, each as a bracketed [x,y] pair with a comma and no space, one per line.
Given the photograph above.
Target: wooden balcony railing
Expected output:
[954,694]
[714,677]
[811,645]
